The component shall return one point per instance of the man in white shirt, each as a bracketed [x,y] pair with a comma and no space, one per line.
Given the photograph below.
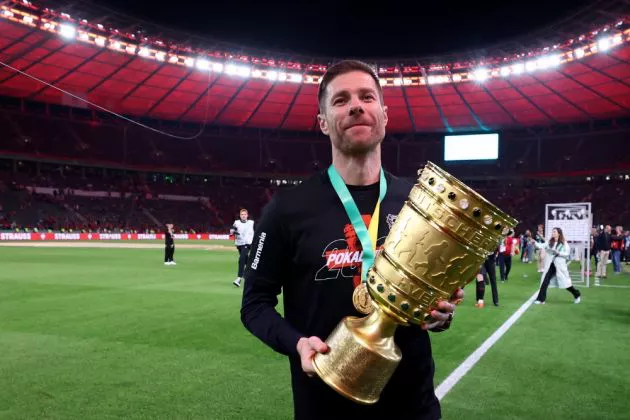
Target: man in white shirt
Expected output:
[243,231]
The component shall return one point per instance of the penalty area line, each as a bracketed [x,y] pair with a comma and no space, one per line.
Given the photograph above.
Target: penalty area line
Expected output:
[455,376]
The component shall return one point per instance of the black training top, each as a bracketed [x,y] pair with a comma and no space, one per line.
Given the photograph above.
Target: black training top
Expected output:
[168,238]
[306,247]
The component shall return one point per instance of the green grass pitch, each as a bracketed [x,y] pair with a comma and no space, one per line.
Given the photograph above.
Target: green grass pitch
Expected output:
[113,333]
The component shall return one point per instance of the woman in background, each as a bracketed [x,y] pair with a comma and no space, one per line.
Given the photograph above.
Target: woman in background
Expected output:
[556,272]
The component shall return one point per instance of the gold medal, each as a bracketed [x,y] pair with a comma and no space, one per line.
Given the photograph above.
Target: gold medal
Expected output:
[362,300]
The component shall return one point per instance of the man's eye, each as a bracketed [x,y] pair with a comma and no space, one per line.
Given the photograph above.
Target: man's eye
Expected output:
[368,97]
[338,101]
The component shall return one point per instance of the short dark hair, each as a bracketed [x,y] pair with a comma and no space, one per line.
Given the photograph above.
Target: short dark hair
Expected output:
[343,67]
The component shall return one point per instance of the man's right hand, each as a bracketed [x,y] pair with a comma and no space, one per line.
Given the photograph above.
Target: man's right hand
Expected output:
[307,348]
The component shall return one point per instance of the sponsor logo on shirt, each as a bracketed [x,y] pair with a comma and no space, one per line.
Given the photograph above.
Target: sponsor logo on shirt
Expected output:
[259,249]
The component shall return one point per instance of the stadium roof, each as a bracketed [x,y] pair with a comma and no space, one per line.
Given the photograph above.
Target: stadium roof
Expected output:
[584,78]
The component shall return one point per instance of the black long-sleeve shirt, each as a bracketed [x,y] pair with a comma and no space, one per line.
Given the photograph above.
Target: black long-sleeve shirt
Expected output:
[168,238]
[306,248]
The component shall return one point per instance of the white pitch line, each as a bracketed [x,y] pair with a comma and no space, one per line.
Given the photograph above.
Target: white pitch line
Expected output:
[472,360]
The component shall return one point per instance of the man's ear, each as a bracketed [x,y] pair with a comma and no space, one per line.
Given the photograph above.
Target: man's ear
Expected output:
[385,117]
[323,124]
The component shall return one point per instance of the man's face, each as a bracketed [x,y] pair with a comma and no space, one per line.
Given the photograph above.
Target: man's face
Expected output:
[244,216]
[352,113]
[608,229]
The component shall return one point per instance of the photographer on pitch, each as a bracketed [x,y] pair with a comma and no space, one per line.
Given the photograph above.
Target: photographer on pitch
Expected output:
[169,245]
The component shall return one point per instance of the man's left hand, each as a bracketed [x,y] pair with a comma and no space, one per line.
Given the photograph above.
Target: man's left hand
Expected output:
[443,314]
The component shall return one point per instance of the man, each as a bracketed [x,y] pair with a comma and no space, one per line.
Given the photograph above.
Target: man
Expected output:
[302,247]
[169,245]
[243,231]
[593,245]
[604,241]
[507,249]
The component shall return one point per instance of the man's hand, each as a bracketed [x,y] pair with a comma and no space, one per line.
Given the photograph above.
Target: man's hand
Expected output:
[443,314]
[307,348]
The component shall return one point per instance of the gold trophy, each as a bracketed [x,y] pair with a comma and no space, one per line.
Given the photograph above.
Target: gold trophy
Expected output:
[441,237]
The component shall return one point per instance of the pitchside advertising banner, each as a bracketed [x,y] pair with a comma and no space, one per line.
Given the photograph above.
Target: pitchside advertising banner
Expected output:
[13,236]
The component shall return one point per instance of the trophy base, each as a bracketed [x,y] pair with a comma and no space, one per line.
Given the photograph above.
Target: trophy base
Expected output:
[362,357]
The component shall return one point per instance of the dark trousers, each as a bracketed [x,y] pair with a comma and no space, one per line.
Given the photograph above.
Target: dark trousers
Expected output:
[505,265]
[542,293]
[243,250]
[491,273]
[169,252]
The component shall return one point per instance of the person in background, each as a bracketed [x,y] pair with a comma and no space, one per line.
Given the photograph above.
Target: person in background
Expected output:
[169,245]
[507,250]
[529,243]
[243,231]
[594,233]
[603,244]
[627,246]
[540,253]
[556,270]
[616,246]
[487,275]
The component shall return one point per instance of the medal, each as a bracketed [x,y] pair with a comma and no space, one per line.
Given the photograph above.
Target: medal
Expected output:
[362,300]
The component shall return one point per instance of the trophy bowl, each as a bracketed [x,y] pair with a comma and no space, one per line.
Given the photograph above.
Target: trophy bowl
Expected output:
[442,235]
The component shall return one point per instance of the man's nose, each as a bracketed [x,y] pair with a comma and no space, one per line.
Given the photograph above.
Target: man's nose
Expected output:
[356,110]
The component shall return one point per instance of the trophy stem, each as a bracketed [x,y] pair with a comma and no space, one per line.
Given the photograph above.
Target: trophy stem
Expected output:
[362,357]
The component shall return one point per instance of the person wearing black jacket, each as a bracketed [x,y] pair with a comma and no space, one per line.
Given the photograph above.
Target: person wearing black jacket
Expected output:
[593,244]
[306,247]
[603,243]
[169,245]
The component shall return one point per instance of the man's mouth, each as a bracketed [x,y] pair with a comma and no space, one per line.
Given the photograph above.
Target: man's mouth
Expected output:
[357,125]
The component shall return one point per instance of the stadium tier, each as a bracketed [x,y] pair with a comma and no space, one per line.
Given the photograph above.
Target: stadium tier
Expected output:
[83,199]
[572,75]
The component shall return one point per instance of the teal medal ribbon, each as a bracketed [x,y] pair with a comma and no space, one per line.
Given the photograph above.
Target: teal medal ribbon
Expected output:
[354,214]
